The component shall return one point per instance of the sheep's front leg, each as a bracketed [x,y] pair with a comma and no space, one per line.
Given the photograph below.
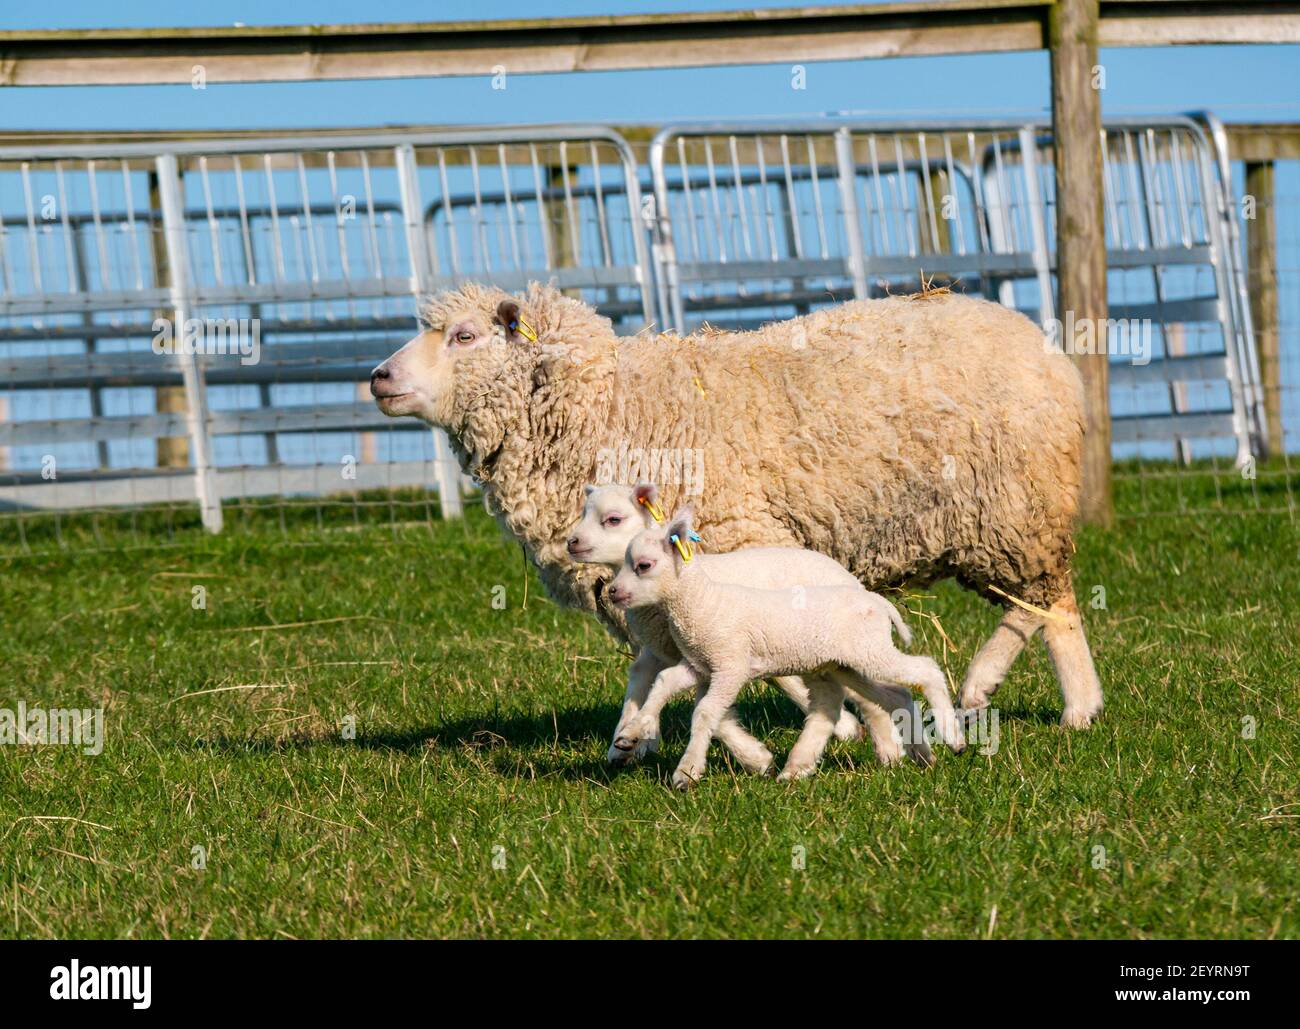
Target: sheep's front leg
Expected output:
[750,752]
[645,667]
[723,689]
[668,683]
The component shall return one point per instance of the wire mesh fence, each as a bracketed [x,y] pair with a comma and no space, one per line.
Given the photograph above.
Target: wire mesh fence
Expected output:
[298,267]
[300,262]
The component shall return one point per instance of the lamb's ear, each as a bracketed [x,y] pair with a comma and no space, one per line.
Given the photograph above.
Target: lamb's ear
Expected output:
[645,494]
[510,318]
[682,525]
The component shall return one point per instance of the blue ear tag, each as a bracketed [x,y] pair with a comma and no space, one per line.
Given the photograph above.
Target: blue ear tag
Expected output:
[682,548]
[524,329]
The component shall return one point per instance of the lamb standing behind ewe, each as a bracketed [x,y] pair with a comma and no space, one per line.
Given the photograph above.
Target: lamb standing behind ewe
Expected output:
[612,517]
[838,637]
[908,439]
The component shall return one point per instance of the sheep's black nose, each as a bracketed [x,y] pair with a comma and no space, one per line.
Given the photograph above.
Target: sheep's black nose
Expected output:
[572,542]
[380,374]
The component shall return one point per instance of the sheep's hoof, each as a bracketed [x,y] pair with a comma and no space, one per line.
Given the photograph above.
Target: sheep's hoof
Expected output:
[624,744]
[684,781]
[792,774]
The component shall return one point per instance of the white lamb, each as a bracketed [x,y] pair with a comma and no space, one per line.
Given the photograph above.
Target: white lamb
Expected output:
[837,637]
[612,516]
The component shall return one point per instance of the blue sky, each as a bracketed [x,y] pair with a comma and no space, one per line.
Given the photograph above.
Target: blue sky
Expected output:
[1240,83]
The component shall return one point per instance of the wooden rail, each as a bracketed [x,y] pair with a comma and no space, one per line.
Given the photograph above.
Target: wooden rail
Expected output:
[302,53]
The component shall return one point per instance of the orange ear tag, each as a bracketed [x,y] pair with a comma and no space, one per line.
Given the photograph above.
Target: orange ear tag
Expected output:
[655,512]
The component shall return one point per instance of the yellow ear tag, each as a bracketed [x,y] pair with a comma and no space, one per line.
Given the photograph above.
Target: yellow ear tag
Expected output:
[655,512]
[524,330]
[682,548]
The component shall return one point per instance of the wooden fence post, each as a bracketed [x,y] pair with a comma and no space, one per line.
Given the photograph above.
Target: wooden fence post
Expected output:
[1080,230]
[1261,277]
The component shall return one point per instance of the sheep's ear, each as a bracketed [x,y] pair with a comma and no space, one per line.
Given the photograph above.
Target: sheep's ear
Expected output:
[518,330]
[645,493]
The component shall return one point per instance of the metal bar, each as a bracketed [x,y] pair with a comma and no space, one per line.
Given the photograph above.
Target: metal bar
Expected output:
[445,469]
[848,177]
[196,394]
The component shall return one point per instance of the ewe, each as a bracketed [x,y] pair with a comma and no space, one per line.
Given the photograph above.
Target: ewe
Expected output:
[909,439]
[612,516]
[838,637]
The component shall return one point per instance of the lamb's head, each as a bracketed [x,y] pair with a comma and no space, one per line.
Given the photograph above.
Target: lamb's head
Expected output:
[611,517]
[469,338]
[653,564]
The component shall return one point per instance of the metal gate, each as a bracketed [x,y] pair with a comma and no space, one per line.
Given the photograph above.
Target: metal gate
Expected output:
[311,253]
[756,223]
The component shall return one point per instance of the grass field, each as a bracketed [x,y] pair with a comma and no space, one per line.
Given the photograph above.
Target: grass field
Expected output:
[473,800]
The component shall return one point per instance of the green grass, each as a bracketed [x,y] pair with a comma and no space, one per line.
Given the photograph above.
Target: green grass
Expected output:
[482,728]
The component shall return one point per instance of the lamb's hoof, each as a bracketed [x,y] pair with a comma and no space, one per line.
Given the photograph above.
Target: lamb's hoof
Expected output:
[974,698]
[626,751]
[793,773]
[849,729]
[920,753]
[683,780]
[1079,718]
[764,769]
[618,758]
[891,760]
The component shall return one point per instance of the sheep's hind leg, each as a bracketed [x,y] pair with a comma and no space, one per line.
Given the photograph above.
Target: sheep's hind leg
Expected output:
[907,670]
[641,675]
[825,701]
[882,705]
[1068,648]
[995,658]
[847,727]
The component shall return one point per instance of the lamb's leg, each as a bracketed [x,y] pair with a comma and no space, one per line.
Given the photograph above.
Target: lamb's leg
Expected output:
[1068,648]
[748,751]
[645,667]
[826,700]
[668,683]
[995,658]
[753,756]
[724,687]
[891,667]
[846,726]
[890,743]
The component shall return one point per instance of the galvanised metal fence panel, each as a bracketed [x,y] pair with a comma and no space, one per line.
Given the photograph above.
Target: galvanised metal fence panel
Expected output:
[971,204]
[319,249]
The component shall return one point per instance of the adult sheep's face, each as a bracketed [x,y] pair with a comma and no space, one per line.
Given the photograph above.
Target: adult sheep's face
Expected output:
[470,327]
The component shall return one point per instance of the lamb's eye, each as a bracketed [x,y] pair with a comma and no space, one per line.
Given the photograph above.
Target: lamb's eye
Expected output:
[643,566]
[613,520]
[464,337]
